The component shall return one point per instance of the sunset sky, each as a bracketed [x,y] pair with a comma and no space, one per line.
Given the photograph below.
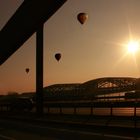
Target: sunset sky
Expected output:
[93,50]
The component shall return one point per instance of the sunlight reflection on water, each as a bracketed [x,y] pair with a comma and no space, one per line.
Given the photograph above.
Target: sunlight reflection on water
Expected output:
[96,111]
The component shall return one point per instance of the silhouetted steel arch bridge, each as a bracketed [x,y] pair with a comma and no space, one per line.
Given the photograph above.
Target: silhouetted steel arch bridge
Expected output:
[98,86]
[87,94]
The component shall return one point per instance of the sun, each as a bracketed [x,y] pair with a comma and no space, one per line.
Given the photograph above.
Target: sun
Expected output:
[133,46]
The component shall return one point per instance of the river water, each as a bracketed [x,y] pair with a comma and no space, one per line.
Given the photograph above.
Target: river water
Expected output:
[95,111]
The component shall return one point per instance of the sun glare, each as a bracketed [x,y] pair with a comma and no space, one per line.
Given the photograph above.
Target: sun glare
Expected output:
[133,46]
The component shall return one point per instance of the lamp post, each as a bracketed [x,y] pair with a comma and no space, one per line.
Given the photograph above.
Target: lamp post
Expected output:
[39,70]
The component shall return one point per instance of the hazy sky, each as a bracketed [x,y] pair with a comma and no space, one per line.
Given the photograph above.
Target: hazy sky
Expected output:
[93,50]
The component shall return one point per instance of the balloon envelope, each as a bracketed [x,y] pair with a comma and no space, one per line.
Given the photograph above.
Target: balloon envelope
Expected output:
[27,70]
[57,56]
[82,17]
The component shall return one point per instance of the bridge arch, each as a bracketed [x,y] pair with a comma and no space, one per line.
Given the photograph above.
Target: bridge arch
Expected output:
[110,85]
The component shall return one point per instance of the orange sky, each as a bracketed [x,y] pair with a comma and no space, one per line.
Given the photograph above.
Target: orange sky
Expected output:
[89,51]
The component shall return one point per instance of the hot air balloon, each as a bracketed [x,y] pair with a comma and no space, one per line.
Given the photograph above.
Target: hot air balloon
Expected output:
[82,17]
[57,56]
[27,70]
